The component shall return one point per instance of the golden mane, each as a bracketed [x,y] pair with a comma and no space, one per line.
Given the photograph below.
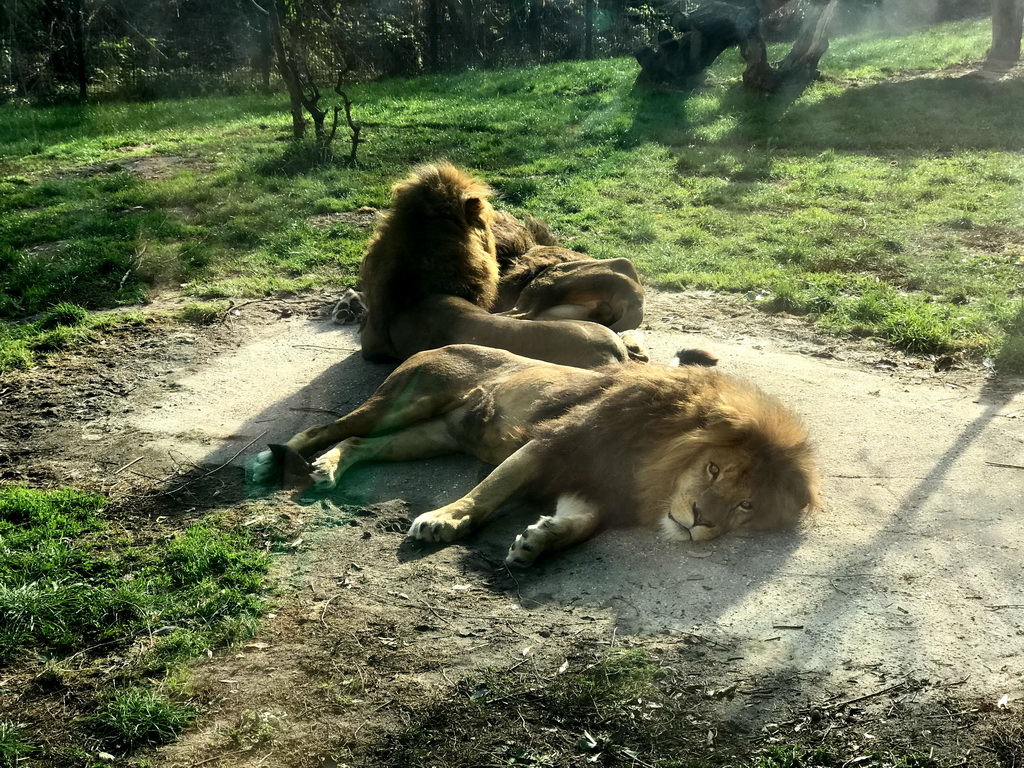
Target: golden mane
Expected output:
[435,240]
[659,419]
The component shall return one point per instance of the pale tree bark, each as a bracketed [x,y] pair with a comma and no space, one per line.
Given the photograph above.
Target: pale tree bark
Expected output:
[1007,24]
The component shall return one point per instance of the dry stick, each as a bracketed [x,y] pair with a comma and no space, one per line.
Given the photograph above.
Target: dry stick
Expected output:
[326,606]
[866,696]
[317,346]
[217,469]
[130,463]
[1005,466]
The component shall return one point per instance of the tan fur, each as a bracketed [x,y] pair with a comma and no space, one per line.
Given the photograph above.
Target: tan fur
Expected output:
[430,276]
[554,283]
[683,449]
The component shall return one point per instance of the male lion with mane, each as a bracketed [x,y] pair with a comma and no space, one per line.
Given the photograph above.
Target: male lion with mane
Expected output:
[430,277]
[688,450]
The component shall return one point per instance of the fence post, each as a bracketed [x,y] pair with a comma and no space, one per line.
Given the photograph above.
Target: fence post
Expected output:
[588,30]
[533,24]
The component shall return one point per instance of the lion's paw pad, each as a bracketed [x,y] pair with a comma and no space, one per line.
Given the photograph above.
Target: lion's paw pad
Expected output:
[325,470]
[350,308]
[529,544]
[264,468]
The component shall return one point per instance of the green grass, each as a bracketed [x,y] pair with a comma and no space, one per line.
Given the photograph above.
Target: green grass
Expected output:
[73,585]
[136,716]
[880,202]
[61,327]
[13,746]
[66,582]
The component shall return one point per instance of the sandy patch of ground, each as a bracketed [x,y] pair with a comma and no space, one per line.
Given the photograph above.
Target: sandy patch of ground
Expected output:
[906,591]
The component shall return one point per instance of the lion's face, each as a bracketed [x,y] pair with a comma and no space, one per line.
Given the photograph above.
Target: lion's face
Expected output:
[728,489]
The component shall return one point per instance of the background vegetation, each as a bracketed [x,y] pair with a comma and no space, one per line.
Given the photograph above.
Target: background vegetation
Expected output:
[883,201]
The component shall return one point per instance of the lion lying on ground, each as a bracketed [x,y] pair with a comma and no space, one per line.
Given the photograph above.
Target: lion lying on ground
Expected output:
[688,449]
[431,274]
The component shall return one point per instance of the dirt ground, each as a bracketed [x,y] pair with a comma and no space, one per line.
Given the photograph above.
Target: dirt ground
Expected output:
[895,621]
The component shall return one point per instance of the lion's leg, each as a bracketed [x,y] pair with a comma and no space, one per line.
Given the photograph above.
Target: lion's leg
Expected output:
[574,520]
[420,441]
[416,391]
[374,346]
[455,520]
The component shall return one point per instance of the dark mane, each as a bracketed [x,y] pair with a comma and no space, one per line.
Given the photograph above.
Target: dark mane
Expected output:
[435,239]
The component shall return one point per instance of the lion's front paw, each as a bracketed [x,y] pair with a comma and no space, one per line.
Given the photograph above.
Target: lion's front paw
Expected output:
[530,544]
[445,524]
[325,470]
[265,468]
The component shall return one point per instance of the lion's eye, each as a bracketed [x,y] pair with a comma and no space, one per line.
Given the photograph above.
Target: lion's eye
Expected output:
[713,470]
[746,506]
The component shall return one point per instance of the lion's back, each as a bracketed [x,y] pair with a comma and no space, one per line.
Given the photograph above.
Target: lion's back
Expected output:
[428,244]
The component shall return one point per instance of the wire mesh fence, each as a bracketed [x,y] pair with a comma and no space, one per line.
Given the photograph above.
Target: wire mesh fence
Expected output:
[50,49]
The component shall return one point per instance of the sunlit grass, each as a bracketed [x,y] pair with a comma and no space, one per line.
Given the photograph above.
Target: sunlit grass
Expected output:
[875,177]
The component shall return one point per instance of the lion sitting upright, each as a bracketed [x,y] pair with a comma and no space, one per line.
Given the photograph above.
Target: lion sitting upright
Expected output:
[430,277]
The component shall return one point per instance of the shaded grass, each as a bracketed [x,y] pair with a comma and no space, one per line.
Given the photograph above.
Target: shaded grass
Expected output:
[62,327]
[882,202]
[615,708]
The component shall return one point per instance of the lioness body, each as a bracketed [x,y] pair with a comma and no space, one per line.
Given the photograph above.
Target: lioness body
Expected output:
[430,277]
[687,449]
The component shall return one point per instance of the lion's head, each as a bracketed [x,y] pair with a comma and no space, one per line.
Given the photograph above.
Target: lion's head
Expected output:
[435,240]
[748,467]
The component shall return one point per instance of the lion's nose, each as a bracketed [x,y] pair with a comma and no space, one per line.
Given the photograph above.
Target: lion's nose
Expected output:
[697,519]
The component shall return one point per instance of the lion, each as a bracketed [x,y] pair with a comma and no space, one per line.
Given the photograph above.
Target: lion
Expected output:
[538,280]
[553,283]
[687,450]
[430,277]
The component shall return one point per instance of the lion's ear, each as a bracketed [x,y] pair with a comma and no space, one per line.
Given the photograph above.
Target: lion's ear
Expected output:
[476,211]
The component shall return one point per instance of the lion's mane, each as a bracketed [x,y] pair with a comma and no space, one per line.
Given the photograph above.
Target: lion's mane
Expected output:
[658,419]
[436,239]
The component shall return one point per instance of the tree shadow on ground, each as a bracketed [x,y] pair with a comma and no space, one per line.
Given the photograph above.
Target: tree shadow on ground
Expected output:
[922,115]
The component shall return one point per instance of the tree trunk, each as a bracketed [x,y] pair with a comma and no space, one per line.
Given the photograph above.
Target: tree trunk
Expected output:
[533,25]
[288,69]
[80,68]
[433,35]
[588,29]
[715,26]
[1007,21]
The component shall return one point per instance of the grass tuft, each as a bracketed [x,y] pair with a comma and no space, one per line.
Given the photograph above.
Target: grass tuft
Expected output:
[64,314]
[202,313]
[136,716]
[13,747]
